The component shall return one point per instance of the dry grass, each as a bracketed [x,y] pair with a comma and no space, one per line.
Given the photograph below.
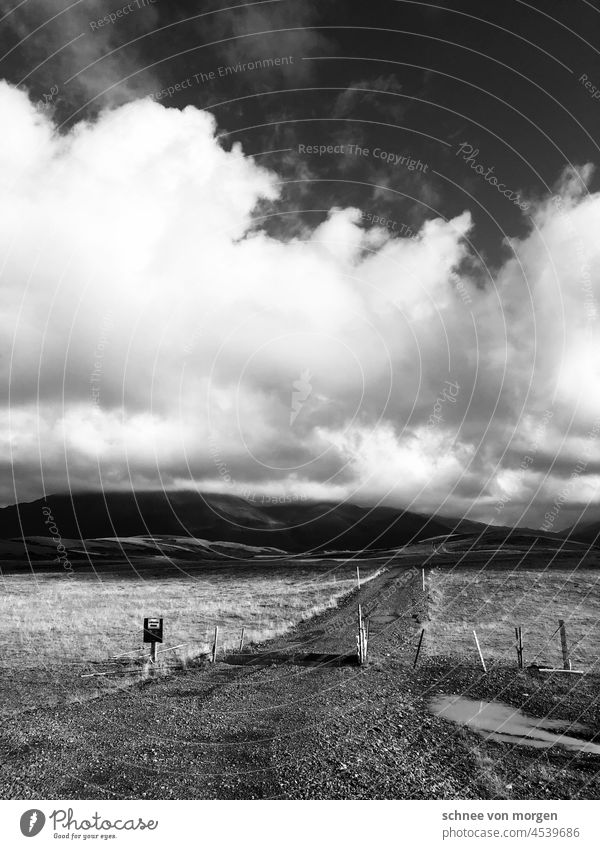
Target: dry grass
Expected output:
[52,626]
[496,601]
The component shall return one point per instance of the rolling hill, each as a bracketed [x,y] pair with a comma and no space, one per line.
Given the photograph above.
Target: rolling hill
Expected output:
[294,527]
[584,532]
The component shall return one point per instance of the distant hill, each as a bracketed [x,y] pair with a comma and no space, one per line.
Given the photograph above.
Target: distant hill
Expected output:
[294,527]
[584,532]
[464,526]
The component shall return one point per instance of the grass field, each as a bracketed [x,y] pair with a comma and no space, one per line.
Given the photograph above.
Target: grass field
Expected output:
[52,627]
[495,601]
[56,629]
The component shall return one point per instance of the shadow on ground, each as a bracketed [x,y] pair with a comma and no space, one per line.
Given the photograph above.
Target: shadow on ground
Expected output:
[310,659]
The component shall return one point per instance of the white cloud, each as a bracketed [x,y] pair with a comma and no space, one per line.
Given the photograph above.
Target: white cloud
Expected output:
[144,323]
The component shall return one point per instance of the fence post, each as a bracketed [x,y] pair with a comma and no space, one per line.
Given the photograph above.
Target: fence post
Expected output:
[362,639]
[519,645]
[563,644]
[358,576]
[214,651]
[419,647]
[479,650]
[360,635]
[242,639]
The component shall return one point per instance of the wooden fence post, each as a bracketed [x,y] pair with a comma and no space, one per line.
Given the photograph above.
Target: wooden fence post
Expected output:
[214,651]
[419,647]
[479,650]
[563,644]
[360,635]
[242,639]
[519,645]
[423,578]
[362,641]
[358,576]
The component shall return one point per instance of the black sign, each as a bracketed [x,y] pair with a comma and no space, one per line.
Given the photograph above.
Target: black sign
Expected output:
[153,630]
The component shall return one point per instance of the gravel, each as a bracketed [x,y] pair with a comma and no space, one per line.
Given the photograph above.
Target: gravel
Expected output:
[268,727]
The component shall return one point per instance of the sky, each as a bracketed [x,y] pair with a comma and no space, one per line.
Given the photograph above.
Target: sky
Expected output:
[334,251]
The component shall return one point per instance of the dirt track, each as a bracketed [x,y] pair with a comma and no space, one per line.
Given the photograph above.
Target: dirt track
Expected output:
[274,728]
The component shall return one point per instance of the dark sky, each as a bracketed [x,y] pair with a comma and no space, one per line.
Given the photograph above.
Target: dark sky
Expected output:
[402,77]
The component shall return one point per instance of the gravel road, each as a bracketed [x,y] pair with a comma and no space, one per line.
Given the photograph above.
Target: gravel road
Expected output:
[271,726]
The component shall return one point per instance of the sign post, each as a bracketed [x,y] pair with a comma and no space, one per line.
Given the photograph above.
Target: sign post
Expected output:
[153,634]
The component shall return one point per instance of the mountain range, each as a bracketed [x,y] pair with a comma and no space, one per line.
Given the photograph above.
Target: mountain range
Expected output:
[291,526]
[297,526]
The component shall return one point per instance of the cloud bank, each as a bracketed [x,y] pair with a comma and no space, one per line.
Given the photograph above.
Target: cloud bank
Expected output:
[154,335]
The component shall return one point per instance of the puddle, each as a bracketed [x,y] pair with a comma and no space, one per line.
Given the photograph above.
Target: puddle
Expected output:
[506,724]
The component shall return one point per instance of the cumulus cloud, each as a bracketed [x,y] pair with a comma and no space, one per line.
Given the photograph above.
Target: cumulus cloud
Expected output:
[153,335]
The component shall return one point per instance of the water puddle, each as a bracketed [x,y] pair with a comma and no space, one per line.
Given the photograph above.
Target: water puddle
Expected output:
[506,724]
